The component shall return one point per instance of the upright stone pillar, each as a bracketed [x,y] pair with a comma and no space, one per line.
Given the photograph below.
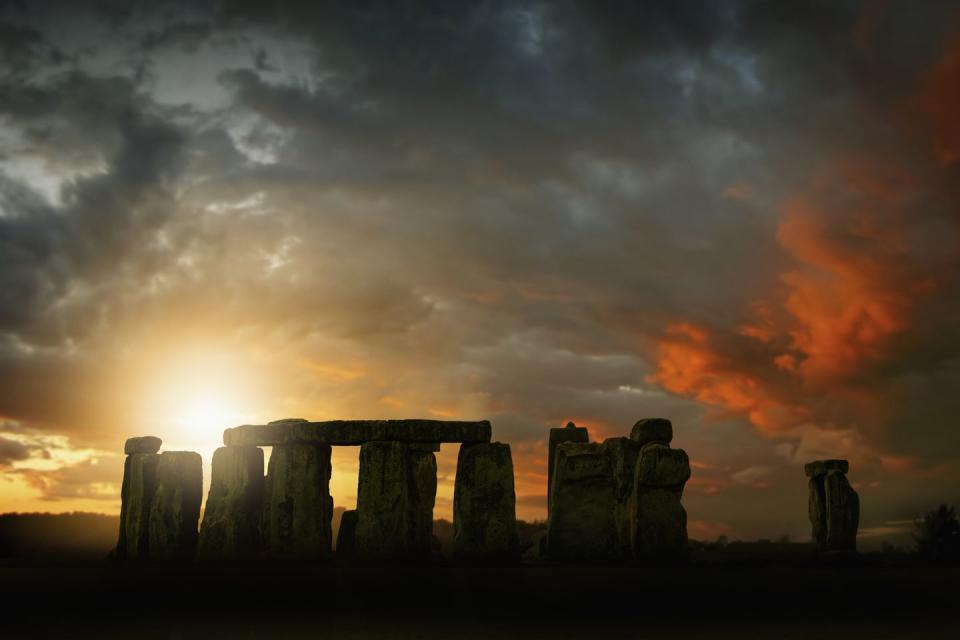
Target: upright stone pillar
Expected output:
[834,507]
[570,433]
[135,518]
[622,454]
[484,504]
[582,525]
[387,515]
[658,519]
[346,535]
[298,509]
[231,520]
[423,467]
[176,506]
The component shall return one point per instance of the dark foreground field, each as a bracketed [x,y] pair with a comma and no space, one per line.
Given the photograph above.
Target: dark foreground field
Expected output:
[451,602]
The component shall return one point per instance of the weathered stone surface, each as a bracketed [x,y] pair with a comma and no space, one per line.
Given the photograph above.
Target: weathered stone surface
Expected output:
[356,432]
[833,506]
[176,506]
[387,504]
[652,430]
[142,444]
[297,507]
[231,520]
[822,467]
[484,504]
[346,535]
[432,447]
[623,454]
[570,433]
[661,466]
[137,493]
[660,533]
[423,468]
[843,512]
[582,525]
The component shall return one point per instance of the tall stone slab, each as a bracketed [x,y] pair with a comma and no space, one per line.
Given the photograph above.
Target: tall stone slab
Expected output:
[137,493]
[833,506]
[623,454]
[570,433]
[387,515]
[298,508]
[138,445]
[658,519]
[176,506]
[423,468]
[582,525]
[346,535]
[231,520]
[484,504]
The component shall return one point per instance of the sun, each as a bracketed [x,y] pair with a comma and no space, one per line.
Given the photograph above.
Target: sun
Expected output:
[206,414]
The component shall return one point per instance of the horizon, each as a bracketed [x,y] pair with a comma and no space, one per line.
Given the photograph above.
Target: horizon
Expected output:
[743,217]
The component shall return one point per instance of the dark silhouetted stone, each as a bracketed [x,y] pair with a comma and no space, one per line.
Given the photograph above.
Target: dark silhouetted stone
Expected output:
[822,467]
[356,432]
[346,535]
[142,444]
[176,506]
[136,494]
[623,454]
[297,507]
[833,506]
[484,504]
[652,430]
[661,466]
[658,519]
[582,525]
[423,467]
[231,520]
[569,433]
[387,514]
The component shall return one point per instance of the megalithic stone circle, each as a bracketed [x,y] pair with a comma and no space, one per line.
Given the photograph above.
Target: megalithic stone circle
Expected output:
[569,433]
[484,504]
[582,524]
[298,508]
[176,506]
[231,520]
[833,506]
[356,432]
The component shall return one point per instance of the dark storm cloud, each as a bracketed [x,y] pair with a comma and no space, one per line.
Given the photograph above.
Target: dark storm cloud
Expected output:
[535,211]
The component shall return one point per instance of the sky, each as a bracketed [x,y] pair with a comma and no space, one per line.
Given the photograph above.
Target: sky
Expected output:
[743,216]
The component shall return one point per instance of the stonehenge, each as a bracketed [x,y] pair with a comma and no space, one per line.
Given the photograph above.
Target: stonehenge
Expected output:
[620,499]
[231,522]
[484,504]
[297,506]
[833,506]
[175,508]
[570,433]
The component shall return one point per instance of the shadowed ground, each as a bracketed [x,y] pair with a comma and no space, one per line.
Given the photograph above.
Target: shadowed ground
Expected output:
[452,602]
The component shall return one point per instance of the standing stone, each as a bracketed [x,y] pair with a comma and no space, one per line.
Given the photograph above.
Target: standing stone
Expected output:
[833,506]
[623,454]
[298,509]
[231,520]
[346,535]
[652,430]
[137,493]
[423,467]
[176,506]
[658,519]
[387,515]
[484,504]
[570,433]
[144,444]
[582,525]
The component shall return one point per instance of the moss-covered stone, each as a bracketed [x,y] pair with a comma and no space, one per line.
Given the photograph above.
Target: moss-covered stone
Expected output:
[231,520]
[137,493]
[423,467]
[484,504]
[582,525]
[298,509]
[652,430]
[386,502]
[661,466]
[569,433]
[660,534]
[176,506]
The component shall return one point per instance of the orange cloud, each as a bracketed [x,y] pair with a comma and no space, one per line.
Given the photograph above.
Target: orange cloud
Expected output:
[939,100]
